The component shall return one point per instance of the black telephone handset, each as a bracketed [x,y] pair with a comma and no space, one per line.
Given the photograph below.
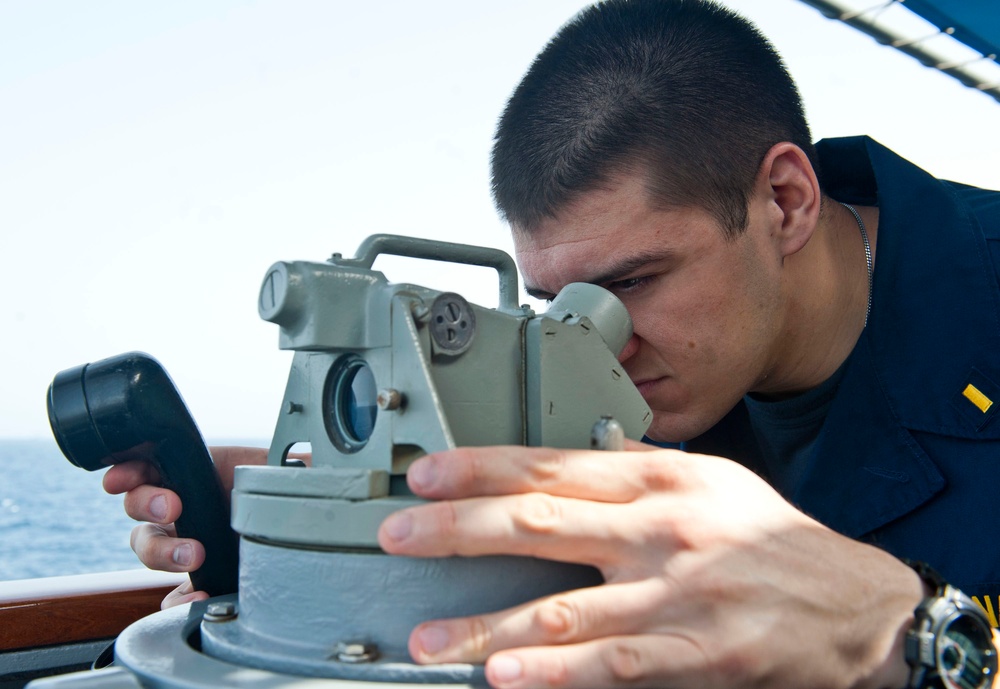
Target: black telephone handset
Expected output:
[125,408]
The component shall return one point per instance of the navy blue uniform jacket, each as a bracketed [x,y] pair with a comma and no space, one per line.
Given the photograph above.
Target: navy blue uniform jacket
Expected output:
[909,456]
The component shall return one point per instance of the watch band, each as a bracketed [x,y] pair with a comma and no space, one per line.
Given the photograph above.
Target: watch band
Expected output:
[928,574]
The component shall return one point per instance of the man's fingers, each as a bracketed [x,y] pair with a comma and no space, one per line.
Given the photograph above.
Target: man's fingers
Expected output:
[158,548]
[623,661]
[152,504]
[564,618]
[123,477]
[584,638]
[584,474]
[534,524]
[184,593]
[639,446]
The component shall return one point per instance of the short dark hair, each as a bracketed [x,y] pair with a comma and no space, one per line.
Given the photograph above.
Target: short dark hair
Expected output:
[684,90]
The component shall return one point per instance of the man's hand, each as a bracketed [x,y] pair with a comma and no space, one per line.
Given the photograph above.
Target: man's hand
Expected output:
[712,579]
[156,542]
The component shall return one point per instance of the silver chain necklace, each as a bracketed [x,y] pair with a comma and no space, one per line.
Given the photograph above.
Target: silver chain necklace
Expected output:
[868,255]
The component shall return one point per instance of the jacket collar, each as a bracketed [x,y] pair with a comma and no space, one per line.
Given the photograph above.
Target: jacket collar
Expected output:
[935,321]
[925,342]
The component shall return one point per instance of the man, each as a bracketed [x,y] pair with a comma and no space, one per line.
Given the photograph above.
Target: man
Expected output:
[658,148]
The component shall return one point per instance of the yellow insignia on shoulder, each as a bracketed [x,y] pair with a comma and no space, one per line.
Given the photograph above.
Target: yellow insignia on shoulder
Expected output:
[987,605]
[975,395]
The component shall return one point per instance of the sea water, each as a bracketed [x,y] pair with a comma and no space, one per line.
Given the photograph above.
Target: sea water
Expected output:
[55,518]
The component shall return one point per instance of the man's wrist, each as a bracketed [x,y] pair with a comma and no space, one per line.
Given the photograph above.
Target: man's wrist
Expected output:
[895,671]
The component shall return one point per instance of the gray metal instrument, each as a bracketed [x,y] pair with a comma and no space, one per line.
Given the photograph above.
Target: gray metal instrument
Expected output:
[382,374]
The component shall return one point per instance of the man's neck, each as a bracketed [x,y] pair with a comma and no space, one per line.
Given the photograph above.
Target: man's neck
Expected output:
[826,287]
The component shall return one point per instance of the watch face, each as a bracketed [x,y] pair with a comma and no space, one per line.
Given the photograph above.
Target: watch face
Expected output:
[965,656]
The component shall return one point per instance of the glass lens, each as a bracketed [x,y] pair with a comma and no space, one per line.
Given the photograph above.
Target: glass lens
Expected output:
[358,403]
[350,403]
[963,662]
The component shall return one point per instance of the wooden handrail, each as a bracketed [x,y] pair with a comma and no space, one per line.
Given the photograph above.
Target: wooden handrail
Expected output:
[58,610]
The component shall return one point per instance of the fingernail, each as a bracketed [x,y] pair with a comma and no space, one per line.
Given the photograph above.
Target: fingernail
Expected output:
[183,554]
[422,474]
[432,639]
[158,507]
[399,526]
[505,668]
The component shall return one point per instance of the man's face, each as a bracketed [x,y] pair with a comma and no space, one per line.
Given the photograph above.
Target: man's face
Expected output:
[706,311]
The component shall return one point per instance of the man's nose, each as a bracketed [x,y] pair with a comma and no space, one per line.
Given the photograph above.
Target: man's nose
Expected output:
[631,347]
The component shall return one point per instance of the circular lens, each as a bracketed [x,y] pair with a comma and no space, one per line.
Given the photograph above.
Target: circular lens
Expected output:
[350,403]
[358,403]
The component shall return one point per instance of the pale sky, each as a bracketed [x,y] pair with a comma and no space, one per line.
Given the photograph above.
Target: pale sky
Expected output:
[155,159]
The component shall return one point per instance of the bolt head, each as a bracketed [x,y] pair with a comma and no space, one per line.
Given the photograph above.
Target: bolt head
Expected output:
[220,612]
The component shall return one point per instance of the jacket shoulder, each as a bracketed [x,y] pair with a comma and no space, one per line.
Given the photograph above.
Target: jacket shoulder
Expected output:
[984,204]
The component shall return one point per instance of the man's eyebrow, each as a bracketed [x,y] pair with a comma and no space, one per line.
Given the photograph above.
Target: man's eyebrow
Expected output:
[617,269]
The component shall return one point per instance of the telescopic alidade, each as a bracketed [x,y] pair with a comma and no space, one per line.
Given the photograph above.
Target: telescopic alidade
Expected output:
[382,374]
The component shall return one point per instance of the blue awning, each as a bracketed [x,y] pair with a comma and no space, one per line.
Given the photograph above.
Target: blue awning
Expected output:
[975,23]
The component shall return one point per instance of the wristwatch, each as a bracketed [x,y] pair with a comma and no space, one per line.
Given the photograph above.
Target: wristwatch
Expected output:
[950,645]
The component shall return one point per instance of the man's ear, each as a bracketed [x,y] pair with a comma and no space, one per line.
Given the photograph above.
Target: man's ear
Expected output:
[788,183]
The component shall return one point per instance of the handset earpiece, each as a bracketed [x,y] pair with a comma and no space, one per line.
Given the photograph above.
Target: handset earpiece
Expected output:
[125,408]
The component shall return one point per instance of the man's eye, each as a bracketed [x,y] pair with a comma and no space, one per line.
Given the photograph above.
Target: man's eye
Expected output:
[628,285]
